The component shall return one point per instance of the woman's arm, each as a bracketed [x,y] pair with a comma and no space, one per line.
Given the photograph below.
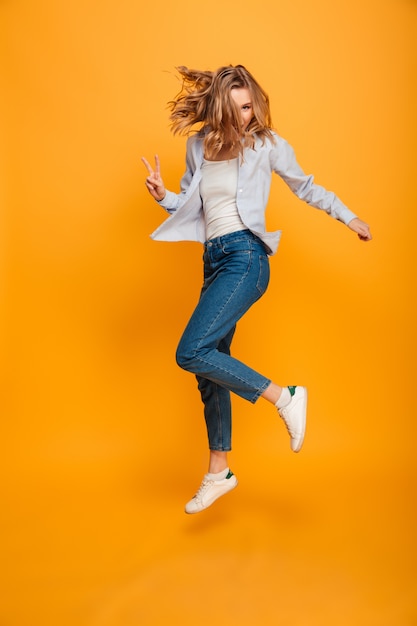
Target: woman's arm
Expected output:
[284,163]
[168,199]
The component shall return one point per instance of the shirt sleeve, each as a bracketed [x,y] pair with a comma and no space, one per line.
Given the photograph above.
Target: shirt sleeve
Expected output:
[172,201]
[284,163]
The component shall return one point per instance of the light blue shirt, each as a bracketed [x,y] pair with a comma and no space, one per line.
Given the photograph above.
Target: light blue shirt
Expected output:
[186,220]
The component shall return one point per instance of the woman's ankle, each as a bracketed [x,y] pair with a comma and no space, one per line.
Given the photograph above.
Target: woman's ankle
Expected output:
[218,461]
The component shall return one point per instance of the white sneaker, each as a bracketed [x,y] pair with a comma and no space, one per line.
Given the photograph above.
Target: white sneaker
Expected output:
[294,416]
[209,491]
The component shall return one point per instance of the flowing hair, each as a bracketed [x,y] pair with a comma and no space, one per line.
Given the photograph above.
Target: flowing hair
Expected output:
[205,100]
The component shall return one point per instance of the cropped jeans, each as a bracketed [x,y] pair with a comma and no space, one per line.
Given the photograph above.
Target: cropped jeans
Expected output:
[236,274]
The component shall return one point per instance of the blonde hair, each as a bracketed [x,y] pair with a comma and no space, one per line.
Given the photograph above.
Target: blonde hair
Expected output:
[205,99]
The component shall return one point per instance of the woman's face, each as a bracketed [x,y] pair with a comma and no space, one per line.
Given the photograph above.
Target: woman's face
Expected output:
[242,97]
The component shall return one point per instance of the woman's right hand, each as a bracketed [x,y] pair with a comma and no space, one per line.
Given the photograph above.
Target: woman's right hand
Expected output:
[361,229]
[154,182]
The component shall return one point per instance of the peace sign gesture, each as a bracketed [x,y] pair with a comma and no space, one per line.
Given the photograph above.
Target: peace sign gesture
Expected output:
[154,182]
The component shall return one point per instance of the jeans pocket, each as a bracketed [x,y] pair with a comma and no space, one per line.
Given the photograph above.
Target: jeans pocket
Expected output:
[263,276]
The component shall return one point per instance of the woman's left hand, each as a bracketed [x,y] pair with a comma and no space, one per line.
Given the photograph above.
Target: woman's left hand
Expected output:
[361,228]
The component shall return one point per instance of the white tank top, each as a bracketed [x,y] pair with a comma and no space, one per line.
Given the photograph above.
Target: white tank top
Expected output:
[218,188]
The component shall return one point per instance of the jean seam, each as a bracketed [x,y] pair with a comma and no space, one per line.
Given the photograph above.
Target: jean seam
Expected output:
[262,261]
[219,419]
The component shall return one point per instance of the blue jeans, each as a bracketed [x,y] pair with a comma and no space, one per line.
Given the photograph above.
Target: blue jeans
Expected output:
[236,274]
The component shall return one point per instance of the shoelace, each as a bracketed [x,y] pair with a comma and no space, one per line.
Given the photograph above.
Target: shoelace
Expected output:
[203,488]
[283,414]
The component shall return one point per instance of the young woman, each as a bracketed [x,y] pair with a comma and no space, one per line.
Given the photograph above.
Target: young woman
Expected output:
[224,192]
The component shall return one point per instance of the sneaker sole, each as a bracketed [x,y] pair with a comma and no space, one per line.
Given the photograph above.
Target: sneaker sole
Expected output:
[300,443]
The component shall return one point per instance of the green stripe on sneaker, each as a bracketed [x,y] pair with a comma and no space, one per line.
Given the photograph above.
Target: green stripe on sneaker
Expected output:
[229,475]
[292,389]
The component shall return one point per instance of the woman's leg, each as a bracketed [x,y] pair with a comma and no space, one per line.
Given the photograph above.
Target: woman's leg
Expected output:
[218,460]
[236,276]
[217,406]
[272,393]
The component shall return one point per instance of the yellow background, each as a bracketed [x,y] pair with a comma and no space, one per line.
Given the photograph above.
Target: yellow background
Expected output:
[102,435]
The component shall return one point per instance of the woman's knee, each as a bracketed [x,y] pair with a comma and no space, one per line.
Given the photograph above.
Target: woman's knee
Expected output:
[184,358]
